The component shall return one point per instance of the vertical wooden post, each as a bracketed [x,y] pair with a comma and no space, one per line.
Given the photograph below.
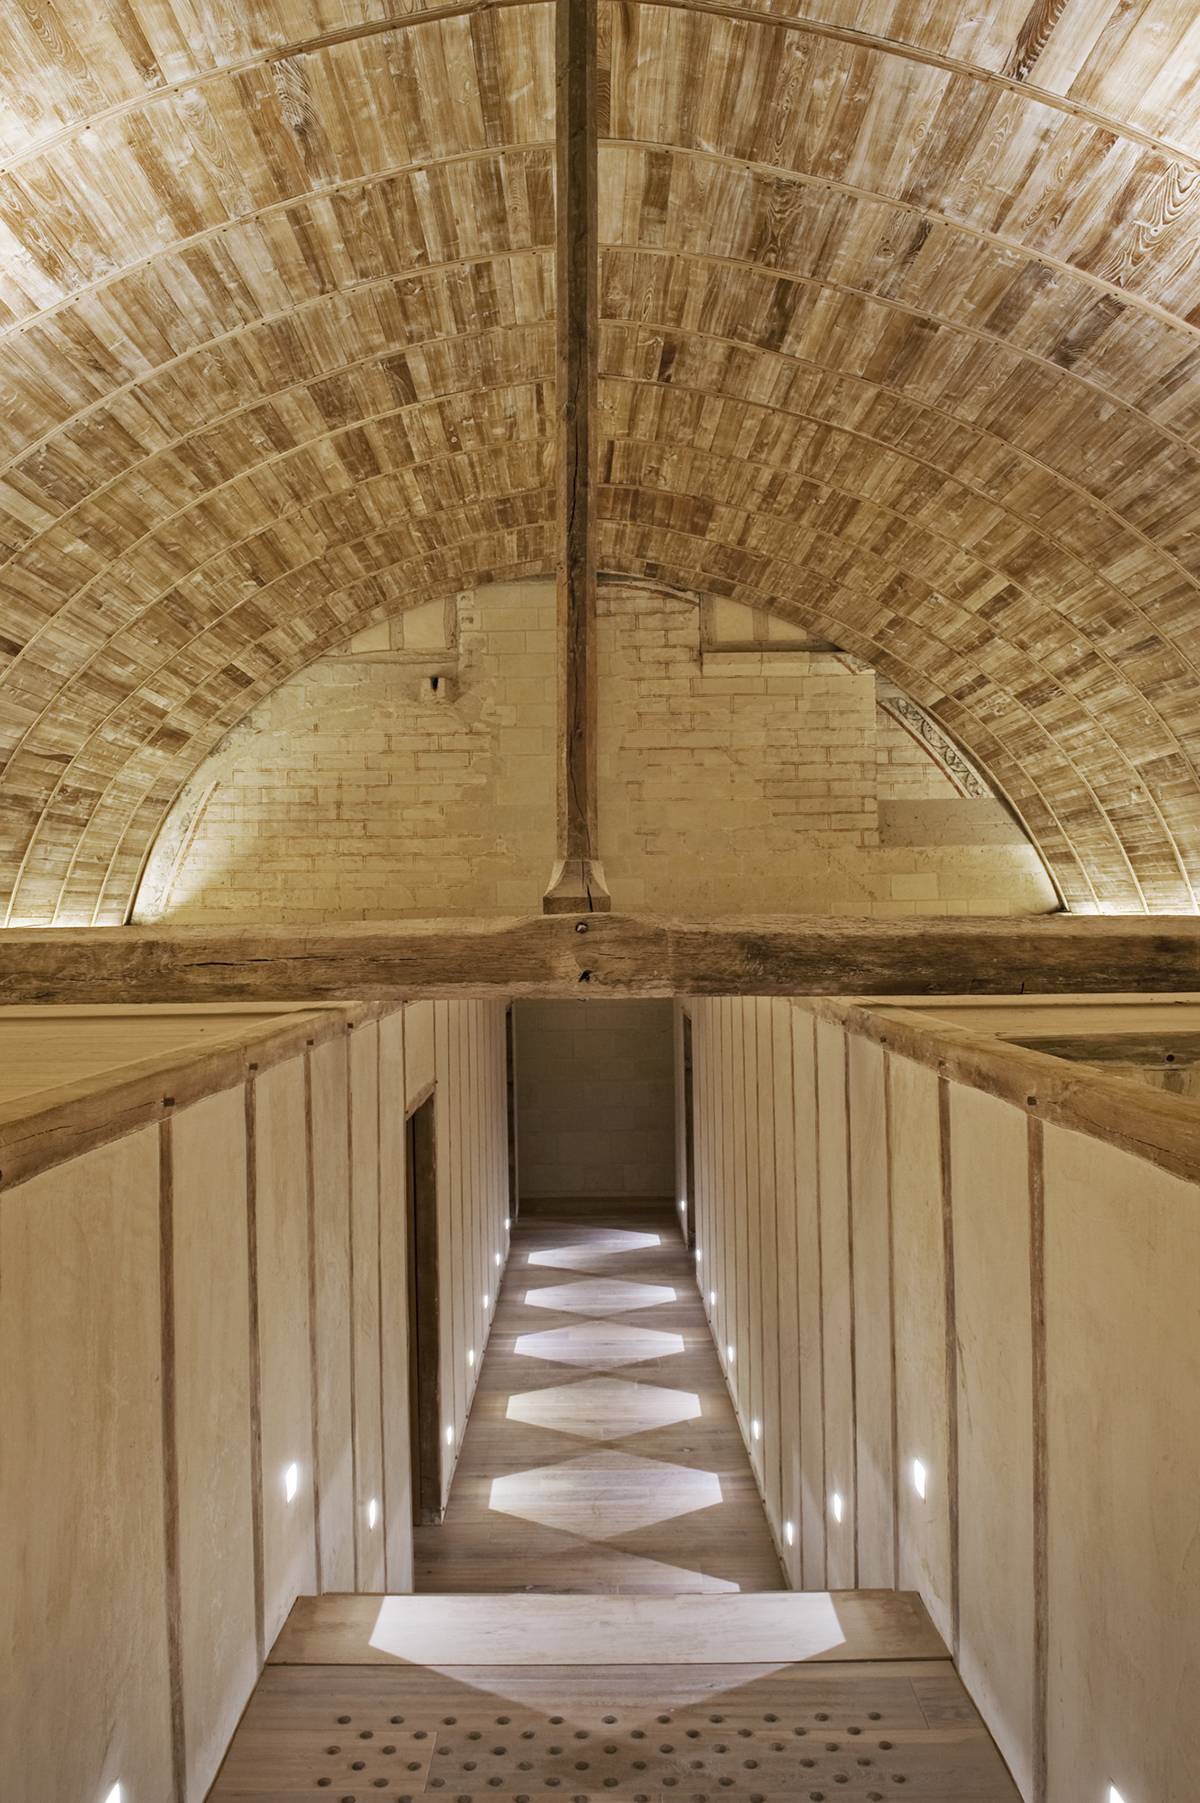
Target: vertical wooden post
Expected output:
[577,882]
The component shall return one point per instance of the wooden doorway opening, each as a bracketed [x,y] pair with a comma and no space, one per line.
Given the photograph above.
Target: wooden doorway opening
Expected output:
[689,1136]
[424,1335]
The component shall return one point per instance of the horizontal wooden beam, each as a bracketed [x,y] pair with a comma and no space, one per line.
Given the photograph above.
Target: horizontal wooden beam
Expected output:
[604,955]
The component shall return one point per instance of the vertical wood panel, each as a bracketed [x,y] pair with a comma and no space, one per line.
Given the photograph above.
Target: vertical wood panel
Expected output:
[289,1564]
[749,1291]
[921,1402]
[808,1276]
[790,1375]
[80,1346]
[465,1328]
[393,1267]
[329,1071]
[727,1287]
[989,1169]
[364,1194]
[872,1311]
[945,1157]
[250,1110]
[768,1267]
[1041,1469]
[837,1317]
[420,1065]
[170,1457]
[1122,1252]
[449,1277]
[212,1410]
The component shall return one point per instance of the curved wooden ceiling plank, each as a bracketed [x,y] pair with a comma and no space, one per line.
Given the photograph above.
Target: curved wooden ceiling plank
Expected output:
[254,643]
[1064,730]
[978,316]
[153,773]
[1099,714]
[449,579]
[1071,828]
[130,189]
[860,242]
[920,135]
[1083,66]
[997,469]
[85,357]
[296,531]
[1015,395]
[160,519]
[1106,620]
[122,650]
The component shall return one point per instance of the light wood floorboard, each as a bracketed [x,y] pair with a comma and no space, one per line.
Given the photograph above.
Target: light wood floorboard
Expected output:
[602,1451]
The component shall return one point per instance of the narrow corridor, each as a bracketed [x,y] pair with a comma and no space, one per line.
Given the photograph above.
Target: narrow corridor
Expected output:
[602,1456]
[602,1451]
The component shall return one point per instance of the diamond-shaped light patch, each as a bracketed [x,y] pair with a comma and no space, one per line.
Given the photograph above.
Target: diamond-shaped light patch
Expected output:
[603,1408]
[602,1494]
[597,1245]
[598,1343]
[600,1296]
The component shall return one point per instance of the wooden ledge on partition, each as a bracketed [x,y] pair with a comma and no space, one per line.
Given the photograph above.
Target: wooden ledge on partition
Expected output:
[50,1126]
[1163,1129]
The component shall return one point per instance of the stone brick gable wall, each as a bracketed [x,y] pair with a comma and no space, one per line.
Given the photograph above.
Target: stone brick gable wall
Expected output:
[731,781]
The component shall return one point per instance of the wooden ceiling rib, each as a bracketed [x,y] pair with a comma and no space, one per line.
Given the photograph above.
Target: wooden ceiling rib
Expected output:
[899,338]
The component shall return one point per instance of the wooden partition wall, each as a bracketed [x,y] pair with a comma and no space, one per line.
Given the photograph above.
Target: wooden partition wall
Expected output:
[203,1332]
[956,1289]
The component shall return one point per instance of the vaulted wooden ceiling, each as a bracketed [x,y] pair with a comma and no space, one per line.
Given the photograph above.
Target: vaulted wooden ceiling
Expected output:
[901,336]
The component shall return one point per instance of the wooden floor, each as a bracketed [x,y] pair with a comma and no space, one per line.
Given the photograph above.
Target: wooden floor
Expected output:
[602,1452]
[369,1694]
[653,1655]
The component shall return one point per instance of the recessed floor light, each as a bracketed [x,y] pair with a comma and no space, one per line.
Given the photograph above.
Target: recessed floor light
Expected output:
[918,1476]
[789,1533]
[835,1503]
[291,1482]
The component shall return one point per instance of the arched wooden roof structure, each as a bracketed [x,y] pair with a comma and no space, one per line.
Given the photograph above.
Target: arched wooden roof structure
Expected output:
[900,336]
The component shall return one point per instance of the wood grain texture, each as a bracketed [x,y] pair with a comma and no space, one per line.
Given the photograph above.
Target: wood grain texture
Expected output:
[633,1733]
[577,881]
[897,339]
[58,1124]
[834,1627]
[1151,1124]
[383,963]
[602,1454]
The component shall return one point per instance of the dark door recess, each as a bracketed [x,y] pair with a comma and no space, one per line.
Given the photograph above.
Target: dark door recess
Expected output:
[689,1134]
[424,1347]
[510,1051]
